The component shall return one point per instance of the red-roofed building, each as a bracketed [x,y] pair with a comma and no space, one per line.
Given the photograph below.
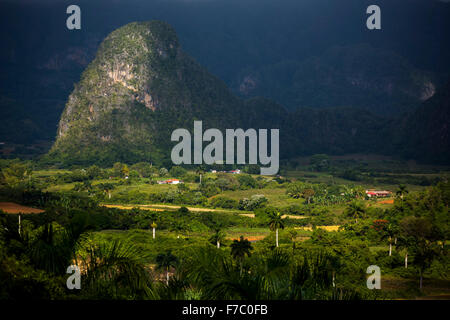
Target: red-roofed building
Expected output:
[378,193]
[170,181]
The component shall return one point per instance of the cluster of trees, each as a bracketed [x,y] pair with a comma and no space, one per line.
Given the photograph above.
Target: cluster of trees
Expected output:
[354,174]
[417,228]
[256,201]
[415,233]
[211,185]
[323,194]
[393,173]
[17,174]
[118,270]
[52,241]
[20,174]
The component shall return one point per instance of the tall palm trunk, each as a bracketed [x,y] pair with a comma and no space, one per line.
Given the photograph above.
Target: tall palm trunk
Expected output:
[421,280]
[406,260]
[334,284]
[276,236]
[109,195]
[167,276]
[218,244]
[390,247]
[153,233]
[240,272]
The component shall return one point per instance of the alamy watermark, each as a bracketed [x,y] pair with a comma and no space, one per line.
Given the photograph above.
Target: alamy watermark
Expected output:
[74,280]
[214,151]
[374,20]
[74,20]
[374,280]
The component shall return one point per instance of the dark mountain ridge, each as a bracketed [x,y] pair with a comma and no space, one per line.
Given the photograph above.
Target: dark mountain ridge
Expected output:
[141,86]
[425,133]
[284,50]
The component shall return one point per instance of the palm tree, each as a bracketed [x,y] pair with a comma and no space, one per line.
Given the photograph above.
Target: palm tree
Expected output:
[275,222]
[109,269]
[355,209]
[273,276]
[177,227]
[308,194]
[165,261]
[420,235]
[53,249]
[115,270]
[404,242]
[402,191]
[153,225]
[335,264]
[389,233]
[200,171]
[293,235]
[240,249]
[50,249]
[107,188]
[217,237]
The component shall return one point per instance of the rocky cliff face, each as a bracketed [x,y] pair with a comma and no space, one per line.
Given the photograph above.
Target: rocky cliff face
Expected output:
[139,88]
[123,73]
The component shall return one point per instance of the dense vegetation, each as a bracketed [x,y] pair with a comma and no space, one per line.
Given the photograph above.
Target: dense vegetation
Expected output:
[135,239]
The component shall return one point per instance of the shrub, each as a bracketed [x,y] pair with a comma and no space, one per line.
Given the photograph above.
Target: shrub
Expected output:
[177,172]
[247,182]
[256,201]
[224,202]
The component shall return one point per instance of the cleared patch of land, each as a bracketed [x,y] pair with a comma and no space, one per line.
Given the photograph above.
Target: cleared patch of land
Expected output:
[11,207]
[118,206]
[290,216]
[275,196]
[251,234]
[165,207]
[249,238]
[327,228]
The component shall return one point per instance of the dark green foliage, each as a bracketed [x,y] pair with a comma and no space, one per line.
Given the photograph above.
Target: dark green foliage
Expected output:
[224,202]
[115,271]
[177,172]
[246,182]
[208,265]
[320,162]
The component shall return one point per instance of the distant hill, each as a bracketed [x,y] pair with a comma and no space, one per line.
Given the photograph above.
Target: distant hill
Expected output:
[138,89]
[357,76]
[425,133]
